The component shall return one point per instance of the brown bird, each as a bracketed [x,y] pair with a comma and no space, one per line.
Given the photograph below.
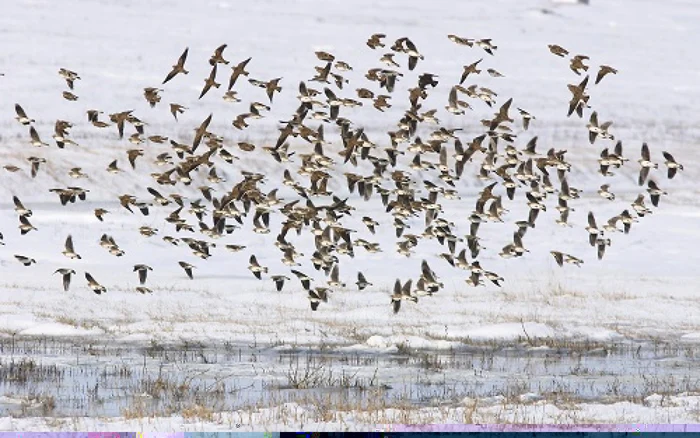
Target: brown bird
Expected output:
[151,95]
[217,57]
[133,154]
[99,213]
[210,82]
[179,67]
[69,76]
[460,40]
[558,50]
[604,70]
[273,86]
[577,64]
[176,108]
[376,41]
[237,71]
[199,133]
[69,96]
[469,69]
[324,56]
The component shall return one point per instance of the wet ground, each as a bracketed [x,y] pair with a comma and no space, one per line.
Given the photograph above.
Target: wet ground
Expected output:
[51,377]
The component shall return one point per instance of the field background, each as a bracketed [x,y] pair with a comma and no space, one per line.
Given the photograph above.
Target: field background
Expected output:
[646,287]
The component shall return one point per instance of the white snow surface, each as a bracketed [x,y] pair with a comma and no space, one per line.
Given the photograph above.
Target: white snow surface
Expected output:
[646,286]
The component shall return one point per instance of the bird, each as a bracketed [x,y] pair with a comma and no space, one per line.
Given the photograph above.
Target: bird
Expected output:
[671,164]
[20,209]
[99,213]
[255,267]
[592,229]
[401,293]
[217,57]
[25,226]
[69,96]
[94,285]
[272,86]
[279,281]
[176,108]
[646,164]
[113,167]
[605,192]
[558,50]
[210,81]
[362,282]
[142,271]
[36,162]
[69,76]
[417,181]
[35,139]
[188,268]
[577,64]
[470,69]
[26,261]
[151,95]
[69,251]
[237,71]
[604,70]
[303,278]
[526,120]
[200,131]
[655,193]
[22,116]
[562,258]
[602,244]
[495,73]
[335,278]
[375,40]
[461,40]
[486,45]
[594,129]
[132,155]
[315,297]
[179,67]
[66,276]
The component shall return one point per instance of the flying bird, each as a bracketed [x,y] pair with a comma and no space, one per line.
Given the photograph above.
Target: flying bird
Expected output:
[66,274]
[179,67]
[94,285]
[69,251]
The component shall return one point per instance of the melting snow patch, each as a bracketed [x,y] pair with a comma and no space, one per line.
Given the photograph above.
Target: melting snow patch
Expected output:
[510,331]
[417,342]
[57,329]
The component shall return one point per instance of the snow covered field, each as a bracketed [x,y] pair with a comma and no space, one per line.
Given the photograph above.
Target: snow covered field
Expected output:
[645,289]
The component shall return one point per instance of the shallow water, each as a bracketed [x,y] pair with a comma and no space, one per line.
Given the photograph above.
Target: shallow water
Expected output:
[58,378]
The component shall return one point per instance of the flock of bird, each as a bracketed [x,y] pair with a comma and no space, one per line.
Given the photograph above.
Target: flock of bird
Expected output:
[370,167]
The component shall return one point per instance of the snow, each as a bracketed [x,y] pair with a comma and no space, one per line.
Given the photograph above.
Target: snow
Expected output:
[645,288]
[589,416]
